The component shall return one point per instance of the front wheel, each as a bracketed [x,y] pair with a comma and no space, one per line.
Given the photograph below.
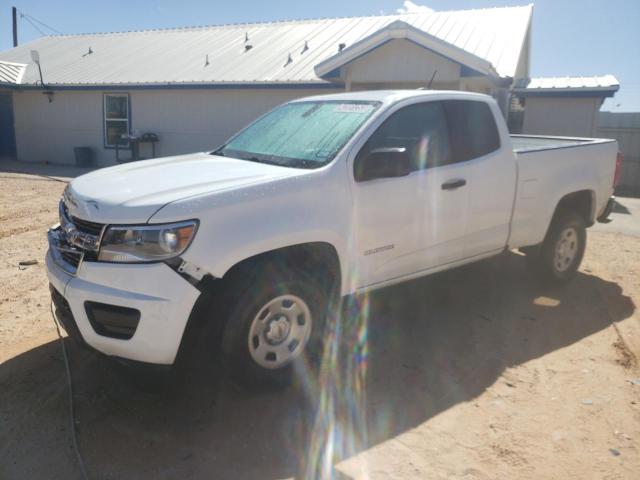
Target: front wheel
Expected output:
[279,331]
[274,325]
[558,258]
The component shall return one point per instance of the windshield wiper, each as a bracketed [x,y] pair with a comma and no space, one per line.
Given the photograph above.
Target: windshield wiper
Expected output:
[261,160]
[267,159]
[281,162]
[301,163]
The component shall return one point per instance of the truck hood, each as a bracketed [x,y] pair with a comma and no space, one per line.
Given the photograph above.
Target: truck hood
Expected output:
[132,193]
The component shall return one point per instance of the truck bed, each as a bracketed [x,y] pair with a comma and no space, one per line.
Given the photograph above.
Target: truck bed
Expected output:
[548,169]
[535,143]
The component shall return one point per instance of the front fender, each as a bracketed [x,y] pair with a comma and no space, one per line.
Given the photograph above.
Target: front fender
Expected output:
[240,224]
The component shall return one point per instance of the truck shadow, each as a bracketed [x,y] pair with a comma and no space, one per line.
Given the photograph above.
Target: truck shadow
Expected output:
[405,354]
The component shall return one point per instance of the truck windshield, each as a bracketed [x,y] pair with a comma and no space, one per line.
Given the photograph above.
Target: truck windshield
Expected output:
[300,134]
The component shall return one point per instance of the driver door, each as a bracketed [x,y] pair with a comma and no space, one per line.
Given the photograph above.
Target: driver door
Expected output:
[406,224]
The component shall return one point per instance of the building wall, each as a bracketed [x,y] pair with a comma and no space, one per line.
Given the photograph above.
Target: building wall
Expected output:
[402,61]
[625,128]
[185,120]
[572,117]
[466,84]
[359,87]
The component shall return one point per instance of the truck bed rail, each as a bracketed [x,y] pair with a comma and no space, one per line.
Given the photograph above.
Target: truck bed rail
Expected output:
[535,143]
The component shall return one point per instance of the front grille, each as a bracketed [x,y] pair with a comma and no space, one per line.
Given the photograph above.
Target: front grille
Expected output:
[87,227]
[84,226]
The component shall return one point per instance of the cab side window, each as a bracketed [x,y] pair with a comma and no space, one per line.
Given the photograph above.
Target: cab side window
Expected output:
[421,129]
[472,129]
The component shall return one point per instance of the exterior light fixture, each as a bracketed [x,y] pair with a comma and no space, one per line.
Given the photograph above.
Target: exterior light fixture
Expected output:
[35,57]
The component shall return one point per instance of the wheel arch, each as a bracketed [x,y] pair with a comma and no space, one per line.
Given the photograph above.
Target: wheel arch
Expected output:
[582,202]
[321,257]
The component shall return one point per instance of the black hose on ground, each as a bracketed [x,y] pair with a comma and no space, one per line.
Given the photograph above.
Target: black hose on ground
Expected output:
[72,415]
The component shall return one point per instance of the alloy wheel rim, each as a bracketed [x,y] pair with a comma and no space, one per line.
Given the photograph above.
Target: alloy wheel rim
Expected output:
[280,331]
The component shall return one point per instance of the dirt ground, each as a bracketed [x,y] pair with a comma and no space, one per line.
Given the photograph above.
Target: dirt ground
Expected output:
[477,373]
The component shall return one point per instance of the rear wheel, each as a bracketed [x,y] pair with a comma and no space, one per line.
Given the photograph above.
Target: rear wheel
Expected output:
[558,258]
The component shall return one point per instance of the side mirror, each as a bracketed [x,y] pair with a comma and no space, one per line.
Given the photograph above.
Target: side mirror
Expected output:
[383,163]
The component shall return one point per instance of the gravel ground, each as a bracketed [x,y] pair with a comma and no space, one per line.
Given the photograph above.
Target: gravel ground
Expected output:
[477,373]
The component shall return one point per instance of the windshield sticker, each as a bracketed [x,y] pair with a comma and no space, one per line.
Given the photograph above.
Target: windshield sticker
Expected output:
[353,108]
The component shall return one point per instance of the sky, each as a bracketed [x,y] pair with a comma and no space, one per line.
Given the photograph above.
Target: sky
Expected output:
[569,37]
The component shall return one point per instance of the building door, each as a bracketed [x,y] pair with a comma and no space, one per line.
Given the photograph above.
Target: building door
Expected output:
[7,133]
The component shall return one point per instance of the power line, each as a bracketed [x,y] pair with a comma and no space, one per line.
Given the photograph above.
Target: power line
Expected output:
[44,24]
[31,19]
[34,25]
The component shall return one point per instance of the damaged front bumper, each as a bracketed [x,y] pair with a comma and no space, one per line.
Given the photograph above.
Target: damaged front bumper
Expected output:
[162,298]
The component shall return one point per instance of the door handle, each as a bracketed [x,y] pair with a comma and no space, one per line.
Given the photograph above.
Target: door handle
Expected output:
[453,184]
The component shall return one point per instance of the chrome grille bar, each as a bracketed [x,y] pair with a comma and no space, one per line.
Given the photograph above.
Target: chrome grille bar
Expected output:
[65,256]
[68,245]
[82,240]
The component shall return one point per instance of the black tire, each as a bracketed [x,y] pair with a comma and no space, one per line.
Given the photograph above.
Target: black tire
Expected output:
[248,295]
[548,261]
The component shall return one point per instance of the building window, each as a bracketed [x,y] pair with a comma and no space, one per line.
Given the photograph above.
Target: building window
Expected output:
[116,118]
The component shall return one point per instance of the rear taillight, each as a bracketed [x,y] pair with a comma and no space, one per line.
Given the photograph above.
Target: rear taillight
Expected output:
[616,175]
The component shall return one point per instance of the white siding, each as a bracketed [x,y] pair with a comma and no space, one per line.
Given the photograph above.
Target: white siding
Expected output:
[572,117]
[401,61]
[185,120]
[47,132]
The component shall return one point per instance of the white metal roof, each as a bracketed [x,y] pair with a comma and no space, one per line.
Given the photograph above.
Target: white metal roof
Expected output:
[217,54]
[11,73]
[605,83]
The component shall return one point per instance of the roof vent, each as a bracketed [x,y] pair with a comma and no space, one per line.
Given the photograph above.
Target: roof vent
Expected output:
[246,37]
[206,60]
[341,46]
[305,48]
[289,60]
[89,52]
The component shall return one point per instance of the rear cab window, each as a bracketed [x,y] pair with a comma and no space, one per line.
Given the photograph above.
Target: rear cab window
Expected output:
[473,131]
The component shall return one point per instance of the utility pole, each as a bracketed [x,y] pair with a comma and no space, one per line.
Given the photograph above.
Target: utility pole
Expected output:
[14,14]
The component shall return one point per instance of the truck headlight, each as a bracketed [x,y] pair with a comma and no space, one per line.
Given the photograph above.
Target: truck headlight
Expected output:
[146,243]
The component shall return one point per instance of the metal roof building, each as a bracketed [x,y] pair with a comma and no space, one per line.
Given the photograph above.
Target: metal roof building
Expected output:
[488,41]
[193,87]
[605,86]
[563,105]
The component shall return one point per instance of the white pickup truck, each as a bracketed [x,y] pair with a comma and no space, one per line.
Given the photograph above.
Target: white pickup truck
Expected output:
[320,198]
